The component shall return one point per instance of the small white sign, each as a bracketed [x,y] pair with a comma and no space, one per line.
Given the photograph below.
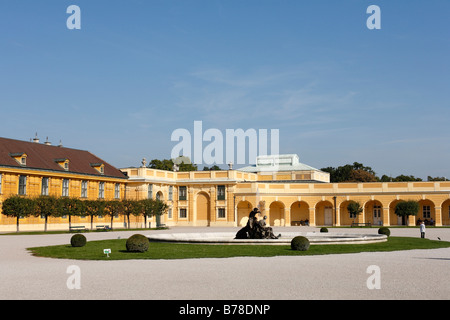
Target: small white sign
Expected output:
[107,252]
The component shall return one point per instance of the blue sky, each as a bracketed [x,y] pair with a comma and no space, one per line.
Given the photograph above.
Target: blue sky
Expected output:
[138,70]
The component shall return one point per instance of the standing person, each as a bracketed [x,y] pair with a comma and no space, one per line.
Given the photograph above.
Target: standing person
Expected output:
[422,229]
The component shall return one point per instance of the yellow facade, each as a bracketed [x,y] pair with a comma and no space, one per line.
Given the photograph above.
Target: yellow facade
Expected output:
[32,169]
[284,203]
[223,198]
[34,188]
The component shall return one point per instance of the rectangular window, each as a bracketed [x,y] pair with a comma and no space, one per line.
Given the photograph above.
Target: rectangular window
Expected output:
[150,191]
[170,193]
[65,188]
[117,191]
[22,185]
[220,192]
[101,190]
[169,213]
[84,189]
[221,213]
[44,188]
[183,213]
[377,211]
[426,211]
[182,193]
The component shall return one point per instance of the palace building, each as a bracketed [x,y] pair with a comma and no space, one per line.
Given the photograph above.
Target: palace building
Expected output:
[33,168]
[287,191]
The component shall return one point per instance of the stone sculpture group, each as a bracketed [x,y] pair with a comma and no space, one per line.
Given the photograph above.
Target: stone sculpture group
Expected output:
[255,229]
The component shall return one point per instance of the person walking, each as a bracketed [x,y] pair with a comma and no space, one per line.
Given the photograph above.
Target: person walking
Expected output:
[422,229]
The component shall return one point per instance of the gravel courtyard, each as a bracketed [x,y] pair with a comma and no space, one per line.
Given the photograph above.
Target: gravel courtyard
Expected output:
[414,274]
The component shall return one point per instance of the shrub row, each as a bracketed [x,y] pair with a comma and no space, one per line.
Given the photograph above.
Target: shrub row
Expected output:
[135,243]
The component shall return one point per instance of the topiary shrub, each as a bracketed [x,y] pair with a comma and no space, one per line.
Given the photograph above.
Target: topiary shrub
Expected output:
[300,243]
[137,243]
[384,230]
[78,240]
[323,229]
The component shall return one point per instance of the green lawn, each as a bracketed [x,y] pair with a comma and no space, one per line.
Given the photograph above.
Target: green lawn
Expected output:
[94,249]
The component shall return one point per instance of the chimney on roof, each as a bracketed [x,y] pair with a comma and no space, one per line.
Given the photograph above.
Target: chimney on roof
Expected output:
[36,139]
[48,143]
[60,143]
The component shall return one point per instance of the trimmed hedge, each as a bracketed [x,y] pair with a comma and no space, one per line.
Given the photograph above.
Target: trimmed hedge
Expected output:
[323,229]
[300,243]
[137,243]
[384,230]
[78,240]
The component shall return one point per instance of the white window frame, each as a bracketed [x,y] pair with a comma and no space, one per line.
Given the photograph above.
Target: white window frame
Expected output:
[45,186]
[65,188]
[117,191]
[22,185]
[84,189]
[101,190]
[150,191]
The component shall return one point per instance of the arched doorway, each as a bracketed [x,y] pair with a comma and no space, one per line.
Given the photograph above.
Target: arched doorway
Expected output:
[345,218]
[243,210]
[427,212]
[445,213]
[299,213]
[395,220]
[324,213]
[373,210]
[203,210]
[276,214]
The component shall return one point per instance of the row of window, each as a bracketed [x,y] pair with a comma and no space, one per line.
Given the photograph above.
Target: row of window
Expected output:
[45,183]
[221,213]
[182,192]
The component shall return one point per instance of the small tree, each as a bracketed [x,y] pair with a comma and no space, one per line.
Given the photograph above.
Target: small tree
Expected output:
[407,208]
[18,207]
[152,208]
[94,208]
[46,206]
[354,208]
[131,207]
[71,207]
[113,208]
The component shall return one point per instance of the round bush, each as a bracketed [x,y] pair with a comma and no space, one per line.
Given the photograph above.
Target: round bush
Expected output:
[300,243]
[78,240]
[323,229]
[384,230]
[137,243]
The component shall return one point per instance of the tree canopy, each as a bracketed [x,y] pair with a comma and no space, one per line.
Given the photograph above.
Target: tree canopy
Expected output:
[167,164]
[357,172]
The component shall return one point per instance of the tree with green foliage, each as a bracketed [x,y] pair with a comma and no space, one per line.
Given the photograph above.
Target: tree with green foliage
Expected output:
[429,178]
[354,208]
[407,208]
[18,207]
[213,168]
[47,206]
[131,207]
[356,172]
[112,209]
[94,208]
[183,164]
[70,207]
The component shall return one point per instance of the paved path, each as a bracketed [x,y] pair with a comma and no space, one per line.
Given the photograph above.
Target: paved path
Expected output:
[414,274]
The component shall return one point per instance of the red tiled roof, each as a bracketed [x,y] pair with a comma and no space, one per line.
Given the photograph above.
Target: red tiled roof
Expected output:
[42,156]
